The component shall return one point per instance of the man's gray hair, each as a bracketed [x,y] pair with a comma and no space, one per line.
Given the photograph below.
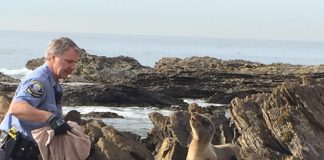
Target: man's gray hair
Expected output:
[59,45]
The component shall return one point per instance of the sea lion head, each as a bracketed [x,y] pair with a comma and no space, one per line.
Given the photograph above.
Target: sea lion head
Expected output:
[202,128]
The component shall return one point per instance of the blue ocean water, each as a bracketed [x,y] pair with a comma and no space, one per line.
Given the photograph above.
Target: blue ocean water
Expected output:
[135,119]
[18,47]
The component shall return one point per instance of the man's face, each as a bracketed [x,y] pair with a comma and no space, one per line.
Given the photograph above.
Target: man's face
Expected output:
[64,64]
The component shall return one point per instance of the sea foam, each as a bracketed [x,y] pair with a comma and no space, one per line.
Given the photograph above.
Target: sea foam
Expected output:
[15,73]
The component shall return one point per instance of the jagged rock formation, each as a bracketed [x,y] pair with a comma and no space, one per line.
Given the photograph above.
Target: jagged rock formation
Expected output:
[100,69]
[203,77]
[196,77]
[108,143]
[5,78]
[105,95]
[113,95]
[4,105]
[171,135]
[286,124]
[8,89]
[34,63]
[98,115]
[108,70]
[281,123]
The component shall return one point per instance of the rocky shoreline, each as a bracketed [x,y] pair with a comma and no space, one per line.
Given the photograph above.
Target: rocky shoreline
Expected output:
[276,109]
[122,81]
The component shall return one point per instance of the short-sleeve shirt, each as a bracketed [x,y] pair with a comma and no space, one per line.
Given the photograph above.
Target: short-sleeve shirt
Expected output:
[38,89]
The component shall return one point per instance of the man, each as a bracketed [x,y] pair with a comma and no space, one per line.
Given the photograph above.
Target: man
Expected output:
[36,102]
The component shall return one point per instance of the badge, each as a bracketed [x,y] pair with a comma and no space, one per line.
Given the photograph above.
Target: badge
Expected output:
[36,88]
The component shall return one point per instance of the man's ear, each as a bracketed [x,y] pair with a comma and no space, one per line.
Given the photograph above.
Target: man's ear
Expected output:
[52,56]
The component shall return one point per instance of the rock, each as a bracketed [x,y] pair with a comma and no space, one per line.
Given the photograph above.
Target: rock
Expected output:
[286,124]
[180,127]
[75,78]
[197,65]
[175,78]
[100,69]
[226,98]
[126,143]
[154,140]
[106,150]
[8,89]
[173,132]
[171,149]
[158,120]
[160,131]
[108,70]
[4,105]
[307,80]
[119,95]
[6,78]
[282,124]
[102,115]
[34,63]
[98,123]
[93,131]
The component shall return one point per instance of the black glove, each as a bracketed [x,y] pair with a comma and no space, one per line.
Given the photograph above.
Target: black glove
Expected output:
[58,124]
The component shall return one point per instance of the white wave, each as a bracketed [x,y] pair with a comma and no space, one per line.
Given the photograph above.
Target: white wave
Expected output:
[15,73]
[201,102]
[127,112]
[135,119]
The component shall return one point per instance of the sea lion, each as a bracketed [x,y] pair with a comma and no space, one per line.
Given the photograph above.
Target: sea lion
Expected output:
[200,147]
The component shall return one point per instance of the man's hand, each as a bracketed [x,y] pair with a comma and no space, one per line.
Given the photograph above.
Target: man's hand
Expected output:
[58,124]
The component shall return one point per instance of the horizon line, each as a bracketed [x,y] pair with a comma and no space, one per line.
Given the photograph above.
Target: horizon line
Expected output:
[162,36]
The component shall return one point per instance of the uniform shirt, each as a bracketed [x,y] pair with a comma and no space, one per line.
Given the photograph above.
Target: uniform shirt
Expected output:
[38,89]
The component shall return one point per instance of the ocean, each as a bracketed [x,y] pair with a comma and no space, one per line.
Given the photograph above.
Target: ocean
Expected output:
[135,119]
[17,47]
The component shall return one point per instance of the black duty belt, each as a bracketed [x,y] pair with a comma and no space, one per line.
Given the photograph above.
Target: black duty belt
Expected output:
[18,148]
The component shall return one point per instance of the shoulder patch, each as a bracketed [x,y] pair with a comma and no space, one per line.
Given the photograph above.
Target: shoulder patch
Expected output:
[35,88]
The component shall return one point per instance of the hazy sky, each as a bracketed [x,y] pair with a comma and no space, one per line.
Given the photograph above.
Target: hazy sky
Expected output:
[252,19]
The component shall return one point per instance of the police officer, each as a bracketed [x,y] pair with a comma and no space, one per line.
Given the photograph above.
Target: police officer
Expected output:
[36,102]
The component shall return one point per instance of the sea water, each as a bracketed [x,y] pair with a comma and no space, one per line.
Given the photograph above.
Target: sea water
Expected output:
[16,48]
[135,119]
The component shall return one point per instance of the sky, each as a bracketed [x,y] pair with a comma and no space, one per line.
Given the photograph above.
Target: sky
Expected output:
[248,19]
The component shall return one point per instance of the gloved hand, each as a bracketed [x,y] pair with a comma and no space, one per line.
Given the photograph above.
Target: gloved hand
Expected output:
[58,124]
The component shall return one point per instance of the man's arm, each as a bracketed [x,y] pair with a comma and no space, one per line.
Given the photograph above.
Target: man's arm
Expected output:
[24,111]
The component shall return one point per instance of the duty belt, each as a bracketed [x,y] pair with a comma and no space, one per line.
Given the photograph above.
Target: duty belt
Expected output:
[12,133]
